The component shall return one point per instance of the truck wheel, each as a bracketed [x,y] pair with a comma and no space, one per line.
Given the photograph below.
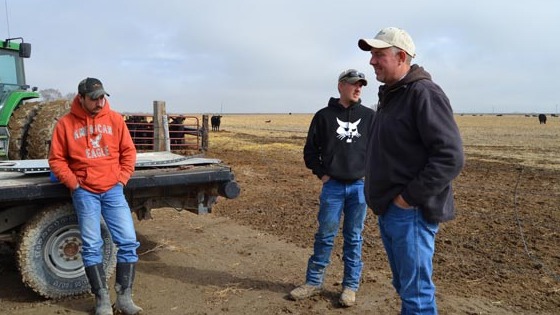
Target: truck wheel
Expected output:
[19,127]
[41,129]
[49,253]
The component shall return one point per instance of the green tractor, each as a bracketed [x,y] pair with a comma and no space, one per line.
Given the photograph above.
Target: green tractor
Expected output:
[26,123]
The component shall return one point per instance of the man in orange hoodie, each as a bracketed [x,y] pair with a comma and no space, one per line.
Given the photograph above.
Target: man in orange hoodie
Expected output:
[92,153]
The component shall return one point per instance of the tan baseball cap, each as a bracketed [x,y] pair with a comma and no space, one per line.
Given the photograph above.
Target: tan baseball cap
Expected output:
[389,37]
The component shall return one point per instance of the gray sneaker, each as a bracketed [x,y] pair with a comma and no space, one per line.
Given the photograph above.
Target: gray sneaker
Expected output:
[348,297]
[305,291]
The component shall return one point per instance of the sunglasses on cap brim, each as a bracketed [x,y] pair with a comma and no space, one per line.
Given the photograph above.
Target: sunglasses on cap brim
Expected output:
[353,74]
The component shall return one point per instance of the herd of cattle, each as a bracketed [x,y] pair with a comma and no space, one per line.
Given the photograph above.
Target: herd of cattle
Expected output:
[180,132]
[542,117]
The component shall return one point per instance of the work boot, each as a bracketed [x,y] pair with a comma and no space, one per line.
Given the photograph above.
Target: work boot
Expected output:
[98,283]
[123,286]
[348,297]
[305,291]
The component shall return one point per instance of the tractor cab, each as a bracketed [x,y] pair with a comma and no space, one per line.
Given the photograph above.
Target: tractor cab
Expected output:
[13,87]
[12,77]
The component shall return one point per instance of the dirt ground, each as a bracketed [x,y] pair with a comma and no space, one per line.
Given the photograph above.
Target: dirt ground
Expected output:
[500,256]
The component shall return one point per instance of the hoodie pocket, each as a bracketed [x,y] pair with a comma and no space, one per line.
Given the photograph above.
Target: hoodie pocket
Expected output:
[102,176]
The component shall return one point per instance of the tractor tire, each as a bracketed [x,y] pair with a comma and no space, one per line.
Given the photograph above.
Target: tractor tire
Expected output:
[19,127]
[41,129]
[49,253]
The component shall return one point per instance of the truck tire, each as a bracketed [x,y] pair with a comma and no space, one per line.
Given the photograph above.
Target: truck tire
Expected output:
[41,129]
[19,127]
[49,253]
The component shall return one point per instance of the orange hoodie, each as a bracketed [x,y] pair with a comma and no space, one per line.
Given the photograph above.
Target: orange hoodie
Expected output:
[95,152]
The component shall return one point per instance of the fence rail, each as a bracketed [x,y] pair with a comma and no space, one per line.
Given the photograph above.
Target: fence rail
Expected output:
[184,132]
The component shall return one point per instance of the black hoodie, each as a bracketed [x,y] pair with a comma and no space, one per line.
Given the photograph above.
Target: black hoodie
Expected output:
[415,148]
[337,139]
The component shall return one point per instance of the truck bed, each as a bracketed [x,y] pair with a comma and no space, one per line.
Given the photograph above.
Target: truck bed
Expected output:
[18,187]
[194,188]
[160,180]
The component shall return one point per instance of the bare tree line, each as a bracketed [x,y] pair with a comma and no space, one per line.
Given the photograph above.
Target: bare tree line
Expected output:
[54,94]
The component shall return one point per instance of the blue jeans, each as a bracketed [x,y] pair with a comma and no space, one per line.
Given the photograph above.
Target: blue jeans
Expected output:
[338,198]
[409,241]
[114,208]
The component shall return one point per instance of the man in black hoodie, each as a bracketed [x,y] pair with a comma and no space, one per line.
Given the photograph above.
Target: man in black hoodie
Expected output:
[335,152]
[414,152]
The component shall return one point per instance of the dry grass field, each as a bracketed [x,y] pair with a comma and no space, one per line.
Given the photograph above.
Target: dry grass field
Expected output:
[516,139]
[502,253]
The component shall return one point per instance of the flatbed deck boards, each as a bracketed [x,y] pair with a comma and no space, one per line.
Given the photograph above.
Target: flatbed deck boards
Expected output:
[143,160]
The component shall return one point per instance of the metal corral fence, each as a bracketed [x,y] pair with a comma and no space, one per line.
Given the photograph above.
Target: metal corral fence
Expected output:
[185,133]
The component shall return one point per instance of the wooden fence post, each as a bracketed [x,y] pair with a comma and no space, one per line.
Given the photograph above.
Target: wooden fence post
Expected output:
[205,133]
[159,132]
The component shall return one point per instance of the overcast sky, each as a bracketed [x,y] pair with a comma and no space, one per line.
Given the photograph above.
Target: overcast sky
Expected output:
[280,56]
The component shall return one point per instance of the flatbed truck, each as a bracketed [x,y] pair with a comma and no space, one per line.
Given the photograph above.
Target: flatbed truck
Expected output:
[38,220]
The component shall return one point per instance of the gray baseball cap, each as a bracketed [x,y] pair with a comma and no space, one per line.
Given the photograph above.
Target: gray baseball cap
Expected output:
[352,76]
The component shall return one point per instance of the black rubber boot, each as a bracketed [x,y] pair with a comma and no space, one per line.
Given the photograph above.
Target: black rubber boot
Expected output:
[98,283]
[123,286]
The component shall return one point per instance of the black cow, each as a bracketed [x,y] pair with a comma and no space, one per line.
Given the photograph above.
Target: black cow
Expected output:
[141,131]
[216,120]
[542,119]
[177,132]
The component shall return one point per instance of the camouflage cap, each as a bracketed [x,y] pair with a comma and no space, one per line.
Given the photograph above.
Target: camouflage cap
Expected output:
[91,87]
